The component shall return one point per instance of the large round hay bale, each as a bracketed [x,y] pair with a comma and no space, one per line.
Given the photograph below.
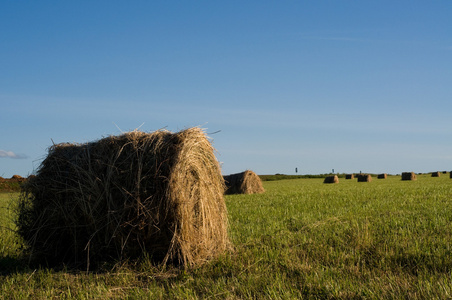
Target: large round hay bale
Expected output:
[158,194]
[349,176]
[436,174]
[331,179]
[408,176]
[382,176]
[364,178]
[246,182]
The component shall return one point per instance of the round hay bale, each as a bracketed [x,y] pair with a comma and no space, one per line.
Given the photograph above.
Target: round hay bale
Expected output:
[331,179]
[436,174]
[17,178]
[349,176]
[382,176]
[159,194]
[408,176]
[364,178]
[246,182]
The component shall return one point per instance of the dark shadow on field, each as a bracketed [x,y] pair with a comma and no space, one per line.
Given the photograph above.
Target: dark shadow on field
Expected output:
[415,263]
[12,265]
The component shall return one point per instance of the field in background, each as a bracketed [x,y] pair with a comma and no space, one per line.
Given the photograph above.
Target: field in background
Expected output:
[301,238]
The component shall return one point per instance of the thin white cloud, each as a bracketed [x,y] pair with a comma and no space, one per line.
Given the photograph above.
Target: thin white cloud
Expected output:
[10,154]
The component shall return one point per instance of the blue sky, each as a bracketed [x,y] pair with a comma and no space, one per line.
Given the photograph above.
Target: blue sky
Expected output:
[278,85]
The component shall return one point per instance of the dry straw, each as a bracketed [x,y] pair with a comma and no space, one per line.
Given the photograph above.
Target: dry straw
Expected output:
[246,182]
[331,179]
[158,194]
[408,176]
[364,178]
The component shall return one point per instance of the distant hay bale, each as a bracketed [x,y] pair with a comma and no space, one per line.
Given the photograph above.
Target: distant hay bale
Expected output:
[159,194]
[408,176]
[246,182]
[349,176]
[364,178]
[382,176]
[17,178]
[450,174]
[436,174]
[331,179]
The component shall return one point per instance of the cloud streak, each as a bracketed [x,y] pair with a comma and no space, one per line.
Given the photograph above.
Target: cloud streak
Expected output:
[10,154]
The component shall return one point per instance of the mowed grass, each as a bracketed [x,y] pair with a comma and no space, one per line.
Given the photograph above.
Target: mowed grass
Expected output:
[300,239]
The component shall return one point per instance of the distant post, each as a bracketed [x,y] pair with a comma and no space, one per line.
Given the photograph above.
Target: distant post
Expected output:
[296,170]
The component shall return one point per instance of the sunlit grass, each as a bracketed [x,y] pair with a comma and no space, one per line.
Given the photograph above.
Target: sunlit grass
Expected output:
[10,244]
[383,239]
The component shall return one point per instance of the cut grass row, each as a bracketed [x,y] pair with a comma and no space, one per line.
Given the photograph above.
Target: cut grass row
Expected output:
[301,239]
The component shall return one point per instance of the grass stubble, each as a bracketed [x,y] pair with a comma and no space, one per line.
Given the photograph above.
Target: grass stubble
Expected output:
[300,239]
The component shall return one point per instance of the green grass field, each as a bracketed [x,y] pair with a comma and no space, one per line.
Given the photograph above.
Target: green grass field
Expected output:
[300,239]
